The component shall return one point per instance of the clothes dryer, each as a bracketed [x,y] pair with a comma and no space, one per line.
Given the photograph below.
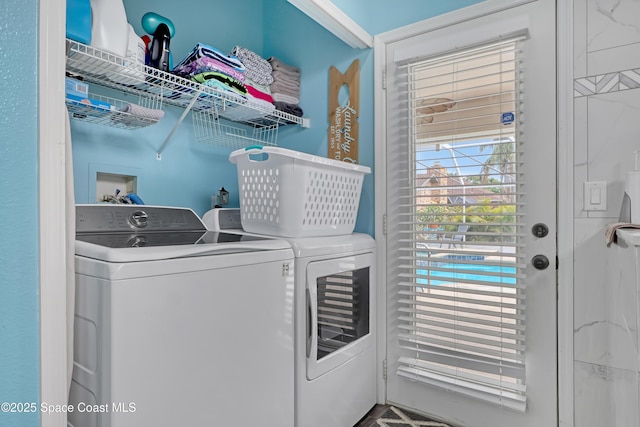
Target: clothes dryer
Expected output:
[176,325]
[335,337]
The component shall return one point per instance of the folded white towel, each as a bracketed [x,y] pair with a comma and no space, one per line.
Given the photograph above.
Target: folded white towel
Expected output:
[282,86]
[610,231]
[276,64]
[284,75]
[140,111]
[137,116]
[285,98]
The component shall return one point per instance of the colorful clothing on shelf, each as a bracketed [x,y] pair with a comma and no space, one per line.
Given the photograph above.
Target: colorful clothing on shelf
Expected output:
[221,81]
[205,51]
[256,93]
[204,64]
[258,86]
[213,68]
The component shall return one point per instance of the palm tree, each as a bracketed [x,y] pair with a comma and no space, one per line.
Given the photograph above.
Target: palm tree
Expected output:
[501,160]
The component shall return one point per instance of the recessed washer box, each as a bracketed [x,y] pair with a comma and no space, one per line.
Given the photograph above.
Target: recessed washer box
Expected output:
[107,183]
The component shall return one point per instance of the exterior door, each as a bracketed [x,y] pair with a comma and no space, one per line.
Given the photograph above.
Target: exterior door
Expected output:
[470,175]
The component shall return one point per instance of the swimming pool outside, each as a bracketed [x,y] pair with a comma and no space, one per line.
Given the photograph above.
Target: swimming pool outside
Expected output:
[465,272]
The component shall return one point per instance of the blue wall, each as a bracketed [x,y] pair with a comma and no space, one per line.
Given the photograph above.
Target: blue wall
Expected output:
[378,16]
[307,45]
[19,319]
[190,172]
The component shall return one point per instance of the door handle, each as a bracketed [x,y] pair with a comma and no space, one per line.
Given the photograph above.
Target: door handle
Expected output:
[540,262]
[312,304]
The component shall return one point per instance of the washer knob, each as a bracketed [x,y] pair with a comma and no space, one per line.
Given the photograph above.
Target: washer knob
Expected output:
[139,219]
[137,242]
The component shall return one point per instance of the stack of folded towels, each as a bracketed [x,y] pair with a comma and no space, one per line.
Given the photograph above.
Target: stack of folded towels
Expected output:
[209,66]
[285,88]
[262,85]
[258,69]
[258,78]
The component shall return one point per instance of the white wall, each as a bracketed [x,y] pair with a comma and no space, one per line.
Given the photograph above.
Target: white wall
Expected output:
[606,35]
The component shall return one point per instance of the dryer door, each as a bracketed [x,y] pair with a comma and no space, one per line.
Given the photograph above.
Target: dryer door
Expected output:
[340,317]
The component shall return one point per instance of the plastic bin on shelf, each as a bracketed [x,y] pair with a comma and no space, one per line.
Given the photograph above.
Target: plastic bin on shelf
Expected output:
[287,193]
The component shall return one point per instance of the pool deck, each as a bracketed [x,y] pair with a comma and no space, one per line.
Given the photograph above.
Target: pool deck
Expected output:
[474,253]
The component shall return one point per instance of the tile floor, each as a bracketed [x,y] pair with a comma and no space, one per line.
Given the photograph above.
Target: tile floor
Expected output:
[390,416]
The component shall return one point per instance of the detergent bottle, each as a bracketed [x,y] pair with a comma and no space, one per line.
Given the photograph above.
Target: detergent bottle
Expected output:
[79,21]
[133,71]
[109,29]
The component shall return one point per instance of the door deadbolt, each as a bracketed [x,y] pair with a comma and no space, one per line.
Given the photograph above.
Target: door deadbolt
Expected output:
[540,230]
[540,262]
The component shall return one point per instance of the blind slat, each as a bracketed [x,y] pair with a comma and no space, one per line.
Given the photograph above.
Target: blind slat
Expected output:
[506,331]
[496,366]
[462,310]
[447,340]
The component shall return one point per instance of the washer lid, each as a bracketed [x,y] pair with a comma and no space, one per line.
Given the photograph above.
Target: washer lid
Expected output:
[136,251]
[125,233]
[169,238]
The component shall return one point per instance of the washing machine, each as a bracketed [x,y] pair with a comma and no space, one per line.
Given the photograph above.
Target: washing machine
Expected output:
[176,325]
[335,356]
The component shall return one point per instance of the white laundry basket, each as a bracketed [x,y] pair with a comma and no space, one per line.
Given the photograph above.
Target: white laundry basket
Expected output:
[291,194]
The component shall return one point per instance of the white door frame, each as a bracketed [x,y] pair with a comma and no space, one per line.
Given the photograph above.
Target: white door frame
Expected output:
[565,182]
[565,162]
[51,212]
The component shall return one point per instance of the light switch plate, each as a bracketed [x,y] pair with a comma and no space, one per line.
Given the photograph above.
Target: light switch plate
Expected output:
[595,196]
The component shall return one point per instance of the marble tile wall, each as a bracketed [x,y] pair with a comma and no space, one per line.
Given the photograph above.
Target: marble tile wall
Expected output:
[606,133]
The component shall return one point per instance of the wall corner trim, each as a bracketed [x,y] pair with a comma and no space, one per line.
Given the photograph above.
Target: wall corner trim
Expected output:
[51,213]
[327,14]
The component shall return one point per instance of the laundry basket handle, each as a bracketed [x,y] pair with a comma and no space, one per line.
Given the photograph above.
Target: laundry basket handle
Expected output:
[254,153]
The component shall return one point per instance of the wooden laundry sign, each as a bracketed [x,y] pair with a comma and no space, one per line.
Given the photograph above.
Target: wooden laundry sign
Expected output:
[343,118]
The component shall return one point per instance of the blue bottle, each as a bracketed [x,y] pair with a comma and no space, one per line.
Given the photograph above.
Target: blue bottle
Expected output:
[79,20]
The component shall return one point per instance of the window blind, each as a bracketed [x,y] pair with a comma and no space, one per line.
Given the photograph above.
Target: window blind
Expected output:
[456,249]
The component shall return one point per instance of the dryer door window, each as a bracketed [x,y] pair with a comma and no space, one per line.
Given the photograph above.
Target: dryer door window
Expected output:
[338,312]
[343,310]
